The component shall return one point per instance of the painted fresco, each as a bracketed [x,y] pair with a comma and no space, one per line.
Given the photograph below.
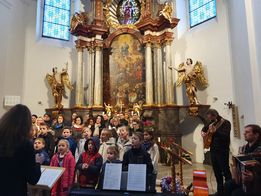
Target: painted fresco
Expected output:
[127,74]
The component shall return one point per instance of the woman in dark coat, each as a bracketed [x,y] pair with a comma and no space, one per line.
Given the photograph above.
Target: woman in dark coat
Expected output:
[17,159]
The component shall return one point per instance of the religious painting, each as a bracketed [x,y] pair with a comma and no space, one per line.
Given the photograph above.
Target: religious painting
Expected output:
[127,74]
[128,11]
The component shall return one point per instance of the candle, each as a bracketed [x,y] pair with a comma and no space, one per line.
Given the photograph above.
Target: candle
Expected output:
[159,139]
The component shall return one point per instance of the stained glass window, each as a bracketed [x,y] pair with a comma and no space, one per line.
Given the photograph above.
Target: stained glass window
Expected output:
[56,19]
[201,11]
[128,11]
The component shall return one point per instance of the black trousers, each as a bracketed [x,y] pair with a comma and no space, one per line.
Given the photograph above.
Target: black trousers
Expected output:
[220,164]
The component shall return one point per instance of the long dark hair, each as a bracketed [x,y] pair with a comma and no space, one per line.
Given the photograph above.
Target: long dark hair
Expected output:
[15,127]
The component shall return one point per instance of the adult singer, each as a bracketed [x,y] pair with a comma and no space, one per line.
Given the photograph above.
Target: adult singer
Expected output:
[219,147]
[18,164]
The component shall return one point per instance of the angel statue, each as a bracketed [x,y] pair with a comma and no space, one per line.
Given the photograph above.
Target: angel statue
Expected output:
[166,12]
[57,81]
[189,74]
[108,109]
[78,19]
[137,107]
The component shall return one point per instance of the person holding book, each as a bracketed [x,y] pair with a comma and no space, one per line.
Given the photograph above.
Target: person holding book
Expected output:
[137,154]
[112,157]
[63,158]
[89,164]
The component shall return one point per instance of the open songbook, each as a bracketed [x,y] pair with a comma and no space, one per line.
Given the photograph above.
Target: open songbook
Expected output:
[49,177]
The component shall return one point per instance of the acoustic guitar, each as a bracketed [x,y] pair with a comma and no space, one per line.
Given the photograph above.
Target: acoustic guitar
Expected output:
[207,140]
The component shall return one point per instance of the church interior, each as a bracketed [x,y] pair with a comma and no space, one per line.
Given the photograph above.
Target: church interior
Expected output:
[168,62]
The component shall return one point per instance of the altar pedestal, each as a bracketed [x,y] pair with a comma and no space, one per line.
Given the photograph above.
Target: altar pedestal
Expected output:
[166,120]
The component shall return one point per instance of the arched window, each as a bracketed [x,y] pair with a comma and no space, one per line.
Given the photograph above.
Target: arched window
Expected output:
[201,11]
[56,19]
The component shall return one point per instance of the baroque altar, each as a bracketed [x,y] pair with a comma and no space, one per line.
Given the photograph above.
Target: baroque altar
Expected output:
[124,58]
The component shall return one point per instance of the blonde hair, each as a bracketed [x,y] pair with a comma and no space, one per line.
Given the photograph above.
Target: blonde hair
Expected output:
[65,141]
[114,149]
[40,140]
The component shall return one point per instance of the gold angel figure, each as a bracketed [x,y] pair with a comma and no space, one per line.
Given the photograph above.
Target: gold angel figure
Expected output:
[57,81]
[78,19]
[137,107]
[108,109]
[189,74]
[166,12]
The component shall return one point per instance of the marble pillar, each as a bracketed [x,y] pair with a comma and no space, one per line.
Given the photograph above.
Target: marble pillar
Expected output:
[90,72]
[98,80]
[159,70]
[169,76]
[149,79]
[79,79]
[155,75]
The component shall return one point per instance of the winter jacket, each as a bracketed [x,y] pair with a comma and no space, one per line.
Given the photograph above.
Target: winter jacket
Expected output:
[89,177]
[104,146]
[66,181]
[123,146]
[45,155]
[49,143]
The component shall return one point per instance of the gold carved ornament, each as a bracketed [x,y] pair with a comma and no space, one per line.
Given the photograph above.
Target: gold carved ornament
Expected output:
[58,81]
[189,75]
[78,19]
[166,12]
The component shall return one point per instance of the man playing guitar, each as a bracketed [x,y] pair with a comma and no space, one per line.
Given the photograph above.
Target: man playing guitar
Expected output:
[219,128]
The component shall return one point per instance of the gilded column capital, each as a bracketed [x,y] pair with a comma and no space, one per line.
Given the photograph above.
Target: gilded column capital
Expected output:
[79,48]
[167,42]
[157,45]
[148,44]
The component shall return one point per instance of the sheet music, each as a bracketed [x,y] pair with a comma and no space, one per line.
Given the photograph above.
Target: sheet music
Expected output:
[136,177]
[112,176]
[49,176]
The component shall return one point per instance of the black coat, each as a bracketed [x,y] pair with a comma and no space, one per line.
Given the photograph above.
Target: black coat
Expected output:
[17,171]
[221,138]
[137,156]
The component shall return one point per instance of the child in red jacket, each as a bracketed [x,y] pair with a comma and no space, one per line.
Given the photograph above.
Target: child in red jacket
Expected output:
[89,163]
[63,158]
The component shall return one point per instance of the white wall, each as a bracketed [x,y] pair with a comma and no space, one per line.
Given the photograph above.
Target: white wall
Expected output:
[26,57]
[11,48]
[210,44]
[41,55]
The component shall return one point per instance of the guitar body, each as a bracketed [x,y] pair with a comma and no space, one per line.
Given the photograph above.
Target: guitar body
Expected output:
[207,140]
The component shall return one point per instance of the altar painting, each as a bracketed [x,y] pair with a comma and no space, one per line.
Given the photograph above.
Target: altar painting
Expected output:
[127,74]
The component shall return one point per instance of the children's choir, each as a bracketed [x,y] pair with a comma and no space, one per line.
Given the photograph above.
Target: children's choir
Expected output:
[85,146]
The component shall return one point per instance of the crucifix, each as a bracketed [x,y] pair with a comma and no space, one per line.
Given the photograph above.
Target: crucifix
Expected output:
[121,105]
